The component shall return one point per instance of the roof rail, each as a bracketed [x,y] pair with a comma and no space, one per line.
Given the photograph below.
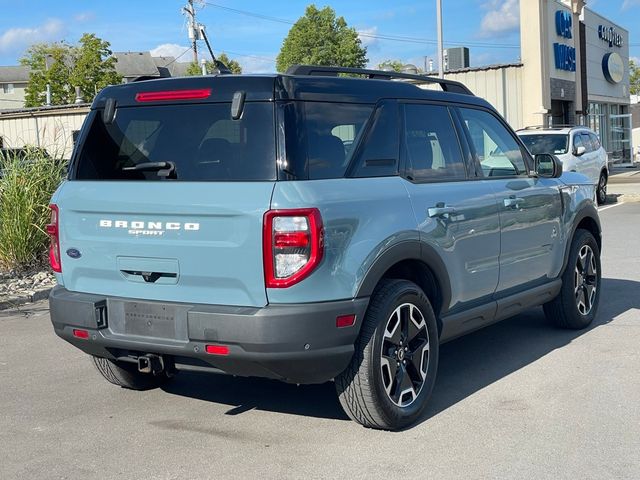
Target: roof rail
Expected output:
[551,127]
[446,85]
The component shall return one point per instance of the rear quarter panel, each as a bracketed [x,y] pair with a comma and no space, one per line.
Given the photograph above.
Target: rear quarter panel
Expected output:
[362,218]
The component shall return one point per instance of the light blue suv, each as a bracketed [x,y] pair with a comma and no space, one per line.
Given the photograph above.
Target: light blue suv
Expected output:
[310,227]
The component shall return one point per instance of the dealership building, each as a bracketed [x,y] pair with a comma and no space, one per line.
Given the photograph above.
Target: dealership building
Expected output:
[573,69]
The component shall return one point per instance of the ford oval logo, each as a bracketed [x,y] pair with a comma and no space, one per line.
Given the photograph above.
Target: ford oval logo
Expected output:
[74,253]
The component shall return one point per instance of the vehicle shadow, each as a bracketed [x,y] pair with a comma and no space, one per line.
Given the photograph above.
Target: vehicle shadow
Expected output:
[467,364]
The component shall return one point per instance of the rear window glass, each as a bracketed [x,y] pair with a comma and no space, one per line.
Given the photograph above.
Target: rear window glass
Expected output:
[556,144]
[183,143]
[325,134]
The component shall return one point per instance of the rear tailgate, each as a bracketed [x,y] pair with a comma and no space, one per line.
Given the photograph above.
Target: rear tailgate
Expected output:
[177,242]
[167,194]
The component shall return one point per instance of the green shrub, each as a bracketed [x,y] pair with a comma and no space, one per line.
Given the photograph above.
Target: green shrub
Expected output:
[28,179]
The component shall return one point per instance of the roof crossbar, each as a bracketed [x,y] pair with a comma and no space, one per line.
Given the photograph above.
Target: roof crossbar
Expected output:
[446,85]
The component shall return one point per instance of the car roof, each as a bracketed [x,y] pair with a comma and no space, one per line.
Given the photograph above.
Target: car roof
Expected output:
[284,87]
[553,130]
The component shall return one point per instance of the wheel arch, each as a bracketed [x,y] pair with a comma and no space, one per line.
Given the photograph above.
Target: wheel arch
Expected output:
[417,262]
[586,219]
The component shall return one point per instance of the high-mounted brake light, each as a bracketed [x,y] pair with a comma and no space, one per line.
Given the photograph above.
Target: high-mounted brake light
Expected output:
[173,95]
[53,231]
[293,245]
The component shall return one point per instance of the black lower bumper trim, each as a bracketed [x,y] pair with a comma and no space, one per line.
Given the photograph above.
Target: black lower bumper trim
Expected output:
[298,343]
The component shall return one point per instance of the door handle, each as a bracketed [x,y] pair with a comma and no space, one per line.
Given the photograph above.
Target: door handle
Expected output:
[440,210]
[513,202]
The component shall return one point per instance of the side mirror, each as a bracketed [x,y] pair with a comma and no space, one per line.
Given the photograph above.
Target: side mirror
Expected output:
[547,165]
[581,150]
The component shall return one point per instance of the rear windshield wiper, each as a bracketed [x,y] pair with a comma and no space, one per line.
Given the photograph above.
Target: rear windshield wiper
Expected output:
[164,169]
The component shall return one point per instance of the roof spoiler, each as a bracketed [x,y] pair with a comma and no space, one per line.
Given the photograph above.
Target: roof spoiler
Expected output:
[450,86]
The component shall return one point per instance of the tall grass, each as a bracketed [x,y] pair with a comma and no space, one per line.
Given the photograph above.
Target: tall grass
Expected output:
[26,185]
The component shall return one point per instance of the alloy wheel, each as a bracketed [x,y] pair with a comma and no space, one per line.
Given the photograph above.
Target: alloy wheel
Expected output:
[585,280]
[404,354]
[602,189]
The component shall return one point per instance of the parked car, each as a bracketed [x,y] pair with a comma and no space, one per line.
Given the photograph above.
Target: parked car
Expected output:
[310,227]
[578,148]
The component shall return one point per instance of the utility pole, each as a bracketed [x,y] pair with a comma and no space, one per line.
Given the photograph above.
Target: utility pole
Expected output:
[439,28]
[193,35]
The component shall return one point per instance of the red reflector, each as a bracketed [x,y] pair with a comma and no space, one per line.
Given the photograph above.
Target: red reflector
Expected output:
[217,349]
[291,239]
[345,321]
[52,229]
[173,95]
[83,334]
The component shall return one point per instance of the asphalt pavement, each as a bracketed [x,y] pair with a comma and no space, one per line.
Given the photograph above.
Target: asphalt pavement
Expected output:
[519,399]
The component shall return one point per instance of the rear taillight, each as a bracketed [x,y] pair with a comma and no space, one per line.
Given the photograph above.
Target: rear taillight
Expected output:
[293,244]
[54,232]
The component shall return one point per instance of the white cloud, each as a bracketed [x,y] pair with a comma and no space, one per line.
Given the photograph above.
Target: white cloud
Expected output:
[83,17]
[366,39]
[630,3]
[254,64]
[169,50]
[17,39]
[502,18]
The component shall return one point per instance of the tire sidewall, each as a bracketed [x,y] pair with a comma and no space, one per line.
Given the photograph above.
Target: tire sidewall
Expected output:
[581,239]
[407,293]
[601,192]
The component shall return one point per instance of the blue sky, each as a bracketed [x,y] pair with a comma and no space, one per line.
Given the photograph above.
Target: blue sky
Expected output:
[489,27]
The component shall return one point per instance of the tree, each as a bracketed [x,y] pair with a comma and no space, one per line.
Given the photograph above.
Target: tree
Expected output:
[634,78]
[89,66]
[194,69]
[319,38]
[396,65]
[49,65]
[94,67]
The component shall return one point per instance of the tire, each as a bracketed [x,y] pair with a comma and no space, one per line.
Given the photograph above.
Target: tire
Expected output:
[127,375]
[576,305]
[601,191]
[380,391]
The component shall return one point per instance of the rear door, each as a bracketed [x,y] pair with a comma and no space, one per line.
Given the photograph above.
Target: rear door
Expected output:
[167,203]
[591,157]
[530,208]
[457,216]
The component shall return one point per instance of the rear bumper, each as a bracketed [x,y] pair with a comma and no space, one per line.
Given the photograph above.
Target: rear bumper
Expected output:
[298,343]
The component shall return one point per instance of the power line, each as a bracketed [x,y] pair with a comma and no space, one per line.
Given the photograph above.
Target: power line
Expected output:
[379,36]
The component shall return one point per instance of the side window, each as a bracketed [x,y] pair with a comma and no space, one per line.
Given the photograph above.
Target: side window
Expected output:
[498,152]
[430,144]
[577,142]
[331,129]
[379,155]
[595,141]
[586,141]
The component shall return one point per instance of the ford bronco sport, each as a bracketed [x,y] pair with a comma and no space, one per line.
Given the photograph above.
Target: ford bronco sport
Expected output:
[308,227]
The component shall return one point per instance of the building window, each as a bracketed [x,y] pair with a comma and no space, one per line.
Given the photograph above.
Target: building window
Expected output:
[7,88]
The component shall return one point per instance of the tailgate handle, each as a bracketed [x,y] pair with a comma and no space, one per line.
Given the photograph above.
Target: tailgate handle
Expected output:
[149,277]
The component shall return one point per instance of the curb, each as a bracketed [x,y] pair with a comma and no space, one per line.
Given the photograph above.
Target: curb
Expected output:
[18,300]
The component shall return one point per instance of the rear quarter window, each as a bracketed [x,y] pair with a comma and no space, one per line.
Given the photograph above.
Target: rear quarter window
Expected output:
[324,136]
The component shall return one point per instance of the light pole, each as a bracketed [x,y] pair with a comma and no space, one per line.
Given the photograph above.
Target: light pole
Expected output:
[47,58]
[439,28]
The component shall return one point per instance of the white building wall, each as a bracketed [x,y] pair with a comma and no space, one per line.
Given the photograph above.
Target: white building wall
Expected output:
[13,100]
[51,129]
[501,87]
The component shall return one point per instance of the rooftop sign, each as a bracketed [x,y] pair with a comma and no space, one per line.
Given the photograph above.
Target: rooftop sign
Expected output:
[609,35]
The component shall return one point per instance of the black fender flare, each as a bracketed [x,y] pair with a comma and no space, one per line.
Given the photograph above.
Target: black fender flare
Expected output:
[587,211]
[408,250]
